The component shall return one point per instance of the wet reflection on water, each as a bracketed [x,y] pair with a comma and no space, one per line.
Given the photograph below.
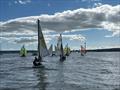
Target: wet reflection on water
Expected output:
[41,78]
[95,71]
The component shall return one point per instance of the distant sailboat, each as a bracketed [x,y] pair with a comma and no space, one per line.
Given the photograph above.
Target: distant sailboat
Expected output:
[23,51]
[61,51]
[67,50]
[83,50]
[42,48]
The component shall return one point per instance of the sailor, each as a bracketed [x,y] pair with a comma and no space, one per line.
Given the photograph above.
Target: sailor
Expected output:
[36,62]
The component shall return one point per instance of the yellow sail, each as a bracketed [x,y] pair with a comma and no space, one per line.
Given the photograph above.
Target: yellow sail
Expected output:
[67,50]
[42,44]
[23,52]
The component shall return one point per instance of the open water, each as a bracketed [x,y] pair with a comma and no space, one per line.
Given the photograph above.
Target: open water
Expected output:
[94,71]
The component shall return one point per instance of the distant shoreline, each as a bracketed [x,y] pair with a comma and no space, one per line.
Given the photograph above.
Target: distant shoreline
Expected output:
[105,50]
[93,50]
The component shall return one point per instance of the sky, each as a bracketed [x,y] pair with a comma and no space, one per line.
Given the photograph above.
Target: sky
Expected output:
[96,22]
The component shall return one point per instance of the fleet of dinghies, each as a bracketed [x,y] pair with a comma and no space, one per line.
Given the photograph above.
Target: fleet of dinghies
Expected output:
[42,48]
[43,51]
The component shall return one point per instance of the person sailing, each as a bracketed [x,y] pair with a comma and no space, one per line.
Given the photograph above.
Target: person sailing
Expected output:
[36,62]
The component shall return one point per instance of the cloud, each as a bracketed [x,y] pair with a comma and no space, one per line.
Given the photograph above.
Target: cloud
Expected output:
[25,40]
[97,4]
[104,16]
[22,1]
[48,38]
[69,20]
[78,37]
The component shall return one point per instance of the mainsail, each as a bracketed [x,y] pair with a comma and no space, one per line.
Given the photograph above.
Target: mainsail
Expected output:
[60,46]
[42,48]
[57,49]
[82,51]
[67,50]
[23,51]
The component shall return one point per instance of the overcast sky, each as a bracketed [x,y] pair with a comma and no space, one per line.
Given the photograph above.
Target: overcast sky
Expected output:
[96,22]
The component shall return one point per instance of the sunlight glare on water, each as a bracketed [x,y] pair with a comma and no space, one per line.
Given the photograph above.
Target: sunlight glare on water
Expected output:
[94,71]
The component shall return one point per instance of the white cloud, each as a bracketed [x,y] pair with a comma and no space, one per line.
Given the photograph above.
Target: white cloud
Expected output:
[22,1]
[78,37]
[104,16]
[97,4]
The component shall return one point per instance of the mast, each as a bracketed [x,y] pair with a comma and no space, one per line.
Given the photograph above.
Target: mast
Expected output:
[39,28]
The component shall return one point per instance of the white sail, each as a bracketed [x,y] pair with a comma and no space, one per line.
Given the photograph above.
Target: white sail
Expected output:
[42,45]
[60,46]
[59,42]
[82,51]
[51,50]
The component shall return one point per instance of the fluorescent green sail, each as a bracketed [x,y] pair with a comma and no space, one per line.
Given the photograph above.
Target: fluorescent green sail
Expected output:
[67,50]
[23,52]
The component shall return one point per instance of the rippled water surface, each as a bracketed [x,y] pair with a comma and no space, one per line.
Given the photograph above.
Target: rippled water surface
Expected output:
[95,71]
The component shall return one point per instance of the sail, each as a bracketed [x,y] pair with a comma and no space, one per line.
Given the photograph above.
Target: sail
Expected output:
[82,50]
[51,50]
[60,46]
[59,41]
[23,51]
[42,48]
[67,50]
[61,50]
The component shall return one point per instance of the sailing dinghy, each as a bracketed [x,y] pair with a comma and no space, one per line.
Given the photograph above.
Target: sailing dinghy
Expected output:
[23,51]
[61,51]
[67,50]
[83,50]
[42,48]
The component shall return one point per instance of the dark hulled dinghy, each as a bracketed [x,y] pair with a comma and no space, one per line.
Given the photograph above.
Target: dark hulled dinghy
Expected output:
[42,48]
[61,51]
[83,50]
